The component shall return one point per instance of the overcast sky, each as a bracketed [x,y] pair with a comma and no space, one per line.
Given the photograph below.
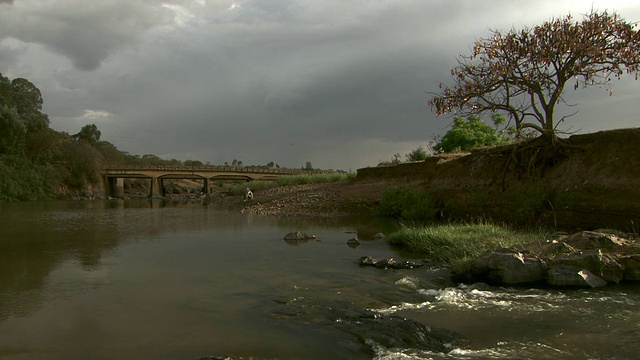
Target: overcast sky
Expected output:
[340,83]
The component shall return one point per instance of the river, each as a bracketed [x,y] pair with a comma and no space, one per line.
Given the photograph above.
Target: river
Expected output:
[177,280]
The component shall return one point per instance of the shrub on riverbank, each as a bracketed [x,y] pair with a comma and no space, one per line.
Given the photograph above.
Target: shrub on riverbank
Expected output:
[22,180]
[454,243]
[405,203]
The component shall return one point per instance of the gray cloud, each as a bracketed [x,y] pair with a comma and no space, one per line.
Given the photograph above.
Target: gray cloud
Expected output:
[85,32]
[340,83]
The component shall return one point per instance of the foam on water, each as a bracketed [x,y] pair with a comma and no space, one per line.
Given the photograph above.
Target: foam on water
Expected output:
[547,323]
[502,350]
[476,297]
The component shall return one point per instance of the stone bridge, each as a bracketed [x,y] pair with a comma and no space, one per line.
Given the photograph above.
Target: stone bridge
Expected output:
[113,176]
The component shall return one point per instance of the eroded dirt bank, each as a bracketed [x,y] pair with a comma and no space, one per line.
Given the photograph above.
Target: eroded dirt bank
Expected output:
[586,182]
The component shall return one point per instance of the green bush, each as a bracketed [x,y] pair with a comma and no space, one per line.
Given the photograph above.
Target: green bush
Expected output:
[471,133]
[532,200]
[419,154]
[21,180]
[405,203]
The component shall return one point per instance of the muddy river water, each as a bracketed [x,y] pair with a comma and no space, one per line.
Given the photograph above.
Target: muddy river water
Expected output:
[160,280]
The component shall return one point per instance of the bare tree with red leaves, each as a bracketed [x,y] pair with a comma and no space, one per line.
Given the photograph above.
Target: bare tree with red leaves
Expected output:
[523,74]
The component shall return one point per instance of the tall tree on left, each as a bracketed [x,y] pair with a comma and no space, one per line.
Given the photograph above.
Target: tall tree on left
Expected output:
[28,102]
[12,131]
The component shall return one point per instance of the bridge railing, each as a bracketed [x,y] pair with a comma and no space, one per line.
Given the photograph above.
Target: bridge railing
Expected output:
[241,169]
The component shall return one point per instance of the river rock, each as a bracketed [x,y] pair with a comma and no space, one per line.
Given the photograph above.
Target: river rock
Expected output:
[557,247]
[299,236]
[605,266]
[515,268]
[390,263]
[365,327]
[631,265]
[599,239]
[563,275]
[353,242]
[585,258]
[400,333]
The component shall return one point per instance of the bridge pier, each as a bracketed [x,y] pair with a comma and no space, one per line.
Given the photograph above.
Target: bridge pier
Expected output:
[157,187]
[104,186]
[118,189]
[113,186]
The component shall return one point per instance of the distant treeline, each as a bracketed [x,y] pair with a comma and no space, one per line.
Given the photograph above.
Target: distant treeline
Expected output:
[37,162]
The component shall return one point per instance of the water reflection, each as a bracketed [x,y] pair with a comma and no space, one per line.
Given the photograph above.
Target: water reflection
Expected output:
[36,237]
[297,242]
[104,273]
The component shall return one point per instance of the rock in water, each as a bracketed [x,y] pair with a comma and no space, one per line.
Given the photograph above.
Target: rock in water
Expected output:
[299,236]
[353,242]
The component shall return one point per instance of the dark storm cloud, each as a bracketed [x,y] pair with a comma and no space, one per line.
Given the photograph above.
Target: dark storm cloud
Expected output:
[308,84]
[342,84]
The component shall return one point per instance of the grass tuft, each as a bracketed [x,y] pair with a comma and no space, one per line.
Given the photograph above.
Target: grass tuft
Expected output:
[455,243]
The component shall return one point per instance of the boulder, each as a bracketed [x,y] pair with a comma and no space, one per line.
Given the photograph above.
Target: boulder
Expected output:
[556,247]
[605,266]
[631,265]
[298,238]
[564,275]
[589,240]
[515,268]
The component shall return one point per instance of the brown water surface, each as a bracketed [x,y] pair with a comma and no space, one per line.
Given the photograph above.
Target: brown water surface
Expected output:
[159,280]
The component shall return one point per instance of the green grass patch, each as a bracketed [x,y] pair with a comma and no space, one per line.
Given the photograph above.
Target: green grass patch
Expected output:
[455,243]
[285,180]
[406,203]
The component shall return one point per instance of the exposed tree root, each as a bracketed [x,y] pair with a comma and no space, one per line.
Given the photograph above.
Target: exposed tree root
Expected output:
[530,159]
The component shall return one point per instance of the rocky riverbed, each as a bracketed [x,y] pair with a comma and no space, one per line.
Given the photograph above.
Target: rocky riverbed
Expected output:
[336,199]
